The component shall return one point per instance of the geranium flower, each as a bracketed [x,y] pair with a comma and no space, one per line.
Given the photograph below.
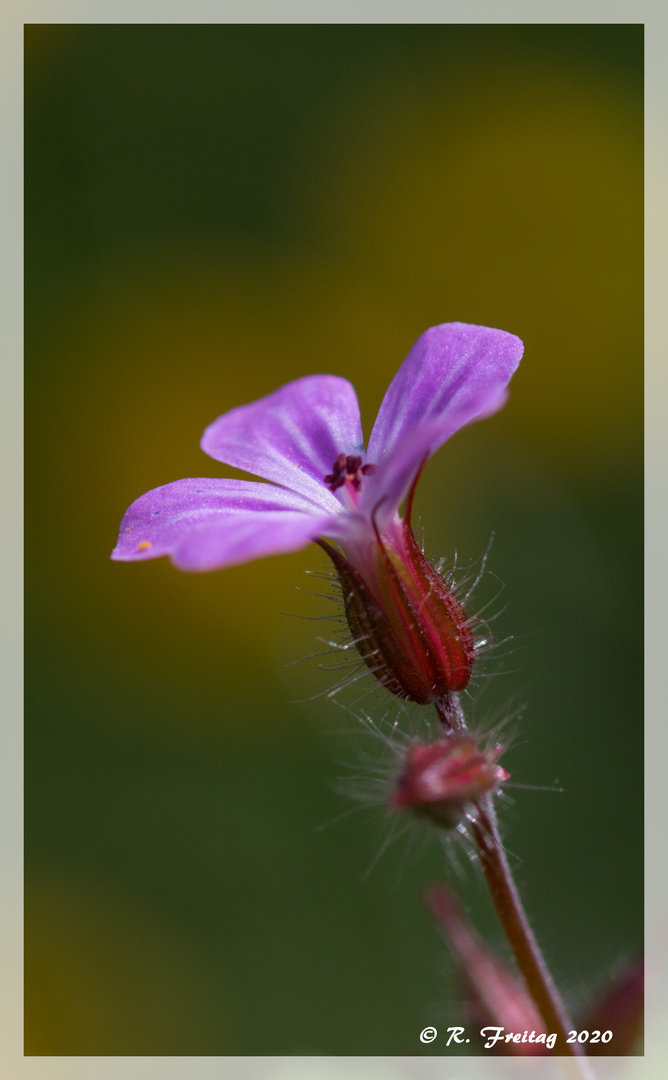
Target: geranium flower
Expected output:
[306,438]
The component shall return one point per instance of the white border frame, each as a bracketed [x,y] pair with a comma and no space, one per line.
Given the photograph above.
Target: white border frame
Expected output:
[13,16]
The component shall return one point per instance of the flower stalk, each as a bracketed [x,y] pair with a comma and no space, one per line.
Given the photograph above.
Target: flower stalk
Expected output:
[451,781]
[516,927]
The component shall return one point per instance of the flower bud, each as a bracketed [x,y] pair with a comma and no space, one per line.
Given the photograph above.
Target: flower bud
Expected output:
[620,1009]
[439,780]
[496,1000]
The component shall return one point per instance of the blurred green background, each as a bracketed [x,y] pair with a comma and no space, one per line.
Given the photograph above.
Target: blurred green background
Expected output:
[211,212]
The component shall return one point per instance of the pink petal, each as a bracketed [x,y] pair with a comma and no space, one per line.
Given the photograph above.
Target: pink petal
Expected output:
[293,436]
[205,524]
[383,491]
[244,537]
[448,370]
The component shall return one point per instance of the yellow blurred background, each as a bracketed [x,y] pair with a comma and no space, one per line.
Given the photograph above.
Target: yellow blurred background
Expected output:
[211,212]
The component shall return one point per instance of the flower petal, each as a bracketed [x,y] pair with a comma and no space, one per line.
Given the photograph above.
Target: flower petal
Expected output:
[293,436]
[449,369]
[243,537]
[383,491]
[206,524]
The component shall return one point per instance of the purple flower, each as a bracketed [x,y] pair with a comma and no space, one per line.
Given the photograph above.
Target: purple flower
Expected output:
[307,439]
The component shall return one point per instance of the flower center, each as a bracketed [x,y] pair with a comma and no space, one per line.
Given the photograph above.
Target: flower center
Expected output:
[348,470]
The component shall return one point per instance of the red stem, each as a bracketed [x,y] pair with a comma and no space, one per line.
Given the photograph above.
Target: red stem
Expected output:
[512,915]
[519,934]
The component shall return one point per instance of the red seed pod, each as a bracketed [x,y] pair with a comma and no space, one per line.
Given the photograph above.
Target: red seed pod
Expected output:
[439,780]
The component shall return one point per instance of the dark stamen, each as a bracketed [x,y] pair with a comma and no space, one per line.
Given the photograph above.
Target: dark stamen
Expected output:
[348,468]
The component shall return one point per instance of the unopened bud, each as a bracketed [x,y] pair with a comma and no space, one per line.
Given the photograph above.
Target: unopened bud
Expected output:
[498,1002]
[620,1010]
[441,779]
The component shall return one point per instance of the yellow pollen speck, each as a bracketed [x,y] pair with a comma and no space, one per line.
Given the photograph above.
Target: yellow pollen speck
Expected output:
[144,545]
